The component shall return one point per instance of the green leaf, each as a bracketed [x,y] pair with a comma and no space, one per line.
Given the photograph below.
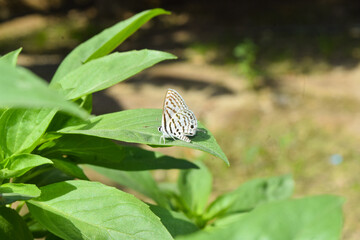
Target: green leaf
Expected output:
[251,194]
[11,192]
[140,181]
[103,43]
[90,210]
[22,89]
[317,218]
[141,126]
[175,222]
[21,129]
[11,57]
[109,70]
[87,103]
[69,168]
[12,226]
[195,187]
[105,153]
[17,165]
[44,175]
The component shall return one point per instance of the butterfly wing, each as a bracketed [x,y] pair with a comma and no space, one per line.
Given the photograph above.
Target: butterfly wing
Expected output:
[190,123]
[173,103]
[182,124]
[177,120]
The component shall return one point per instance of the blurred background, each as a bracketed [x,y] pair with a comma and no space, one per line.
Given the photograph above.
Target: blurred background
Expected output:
[276,82]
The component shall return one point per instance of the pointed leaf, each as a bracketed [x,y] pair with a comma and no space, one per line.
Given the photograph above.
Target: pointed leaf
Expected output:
[22,89]
[11,57]
[109,70]
[195,187]
[11,192]
[140,181]
[17,165]
[12,226]
[103,43]
[105,153]
[21,129]
[74,209]
[317,218]
[251,194]
[141,126]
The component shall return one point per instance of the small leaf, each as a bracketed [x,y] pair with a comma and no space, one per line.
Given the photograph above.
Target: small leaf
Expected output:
[105,153]
[175,222]
[11,57]
[141,126]
[195,187]
[318,217]
[22,89]
[21,129]
[74,209]
[103,43]
[69,168]
[140,181]
[12,226]
[109,70]
[11,192]
[17,165]
[251,194]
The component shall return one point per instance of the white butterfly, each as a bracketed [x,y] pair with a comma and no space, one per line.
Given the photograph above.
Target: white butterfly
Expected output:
[178,121]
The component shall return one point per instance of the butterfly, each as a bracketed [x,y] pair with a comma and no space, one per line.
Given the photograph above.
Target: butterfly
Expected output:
[178,121]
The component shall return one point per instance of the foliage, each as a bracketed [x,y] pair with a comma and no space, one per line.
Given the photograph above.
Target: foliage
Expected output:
[47,133]
[246,53]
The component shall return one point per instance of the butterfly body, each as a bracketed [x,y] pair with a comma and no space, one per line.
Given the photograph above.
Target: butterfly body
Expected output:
[178,121]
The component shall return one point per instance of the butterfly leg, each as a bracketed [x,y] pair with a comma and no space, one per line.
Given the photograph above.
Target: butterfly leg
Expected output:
[162,137]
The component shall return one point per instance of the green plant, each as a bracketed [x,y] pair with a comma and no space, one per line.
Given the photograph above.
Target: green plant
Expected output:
[47,133]
[246,53]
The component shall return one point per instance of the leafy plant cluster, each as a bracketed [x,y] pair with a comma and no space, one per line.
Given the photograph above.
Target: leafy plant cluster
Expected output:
[47,134]
[247,52]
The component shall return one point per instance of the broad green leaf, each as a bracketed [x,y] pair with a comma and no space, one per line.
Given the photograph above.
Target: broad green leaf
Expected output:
[251,194]
[195,187]
[11,192]
[70,168]
[17,165]
[317,218]
[12,226]
[141,126]
[22,89]
[140,181]
[105,153]
[90,210]
[11,57]
[21,129]
[175,222]
[104,72]
[103,43]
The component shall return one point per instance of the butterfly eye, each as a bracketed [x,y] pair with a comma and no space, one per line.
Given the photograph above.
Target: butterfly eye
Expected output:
[159,129]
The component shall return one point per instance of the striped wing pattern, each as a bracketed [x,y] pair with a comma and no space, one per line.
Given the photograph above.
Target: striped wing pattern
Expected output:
[178,121]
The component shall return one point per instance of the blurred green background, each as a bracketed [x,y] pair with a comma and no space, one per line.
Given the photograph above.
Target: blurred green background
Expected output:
[277,82]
